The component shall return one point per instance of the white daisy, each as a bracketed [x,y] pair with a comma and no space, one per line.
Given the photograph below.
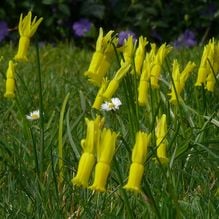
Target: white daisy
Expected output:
[113,104]
[35,115]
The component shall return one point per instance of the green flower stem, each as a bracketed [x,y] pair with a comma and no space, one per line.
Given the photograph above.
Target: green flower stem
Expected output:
[41,157]
[60,143]
[123,191]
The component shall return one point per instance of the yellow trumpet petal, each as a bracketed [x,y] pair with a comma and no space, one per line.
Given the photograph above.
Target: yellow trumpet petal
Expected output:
[135,177]
[85,167]
[161,142]
[100,179]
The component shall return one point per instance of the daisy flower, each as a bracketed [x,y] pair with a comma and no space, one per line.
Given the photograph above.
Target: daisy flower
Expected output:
[35,115]
[113,104]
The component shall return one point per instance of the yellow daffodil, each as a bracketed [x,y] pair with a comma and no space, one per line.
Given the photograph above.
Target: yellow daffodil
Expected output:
[105,152]
[161,142]
[145,76]
[157,64]
[139,154]
[208,66]
[179,79]
[140,54]
[26,28]
[10,81]
[204,67]
[101,59]
[89,145]
[114,83]
[99,98]
[128,50]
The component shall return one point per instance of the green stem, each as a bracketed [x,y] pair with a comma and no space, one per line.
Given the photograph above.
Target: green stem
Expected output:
[41,157]
[127,204]
[60,143]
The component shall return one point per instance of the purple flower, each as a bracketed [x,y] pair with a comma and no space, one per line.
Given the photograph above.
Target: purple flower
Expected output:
[187,39]
[124,35]
[81,27]
[3,30]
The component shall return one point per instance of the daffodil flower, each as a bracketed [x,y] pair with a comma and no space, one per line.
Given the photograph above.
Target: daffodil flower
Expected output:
[161,142]
[10,81]
[140,54]
[26,28]
[157,63]
[105,152]
[89,144]
[128,50]
[145,77]
[179,79]
[114,83]
[101,59]
[208,66]
[139,154]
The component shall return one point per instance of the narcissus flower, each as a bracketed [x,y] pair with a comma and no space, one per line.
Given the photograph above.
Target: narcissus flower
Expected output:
[101,59]
[208,66]
[139,154]
[26,28]
[161,142]
[10,81]
[145,77]
[179,79]
[157,64]
[89,144]
[140,54]
[114,83]
[128,50]
[105,152]
[113,104]
[35,115]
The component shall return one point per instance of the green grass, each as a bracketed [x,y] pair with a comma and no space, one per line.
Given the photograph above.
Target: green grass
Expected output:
[29,176]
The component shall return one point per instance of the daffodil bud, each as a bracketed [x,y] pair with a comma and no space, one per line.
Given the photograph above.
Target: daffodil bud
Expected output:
[10,82]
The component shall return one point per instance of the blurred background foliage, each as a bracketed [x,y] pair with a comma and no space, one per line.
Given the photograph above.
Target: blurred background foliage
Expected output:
[159,20]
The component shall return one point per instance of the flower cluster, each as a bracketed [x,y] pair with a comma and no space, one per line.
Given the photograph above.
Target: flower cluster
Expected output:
[98,145]
[144,62]
[147,68]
